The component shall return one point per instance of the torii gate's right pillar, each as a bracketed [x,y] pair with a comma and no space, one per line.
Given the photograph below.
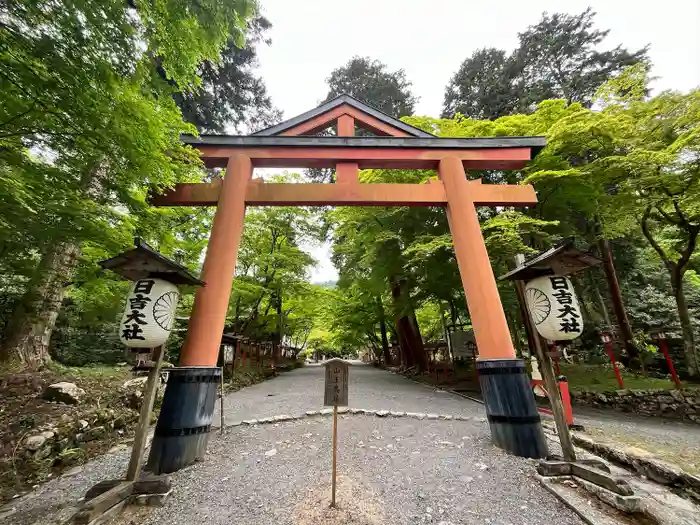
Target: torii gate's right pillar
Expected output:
[510,404]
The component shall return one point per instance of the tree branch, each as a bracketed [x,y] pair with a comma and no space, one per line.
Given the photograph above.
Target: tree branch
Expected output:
[668,217]
[647,233]
[684,259]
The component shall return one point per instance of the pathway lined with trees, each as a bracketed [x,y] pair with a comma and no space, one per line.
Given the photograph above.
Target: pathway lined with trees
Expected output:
[90,126]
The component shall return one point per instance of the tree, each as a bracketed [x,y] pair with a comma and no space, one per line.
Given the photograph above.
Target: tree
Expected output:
[484,87]
[230,94]
[667,177]
[559,57]
[654,307]
[86,128]
[271,273]
[367,253]
[371,82]
[639,158]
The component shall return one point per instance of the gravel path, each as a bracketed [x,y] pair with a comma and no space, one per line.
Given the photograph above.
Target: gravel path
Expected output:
[393,470]
[653,429]
[52,503]
[302,389]
[674,441]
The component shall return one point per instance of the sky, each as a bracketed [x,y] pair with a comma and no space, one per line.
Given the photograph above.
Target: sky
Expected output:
[429,40]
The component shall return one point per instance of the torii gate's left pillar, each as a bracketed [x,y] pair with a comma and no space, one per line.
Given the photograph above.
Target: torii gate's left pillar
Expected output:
[211,302]
[185,418]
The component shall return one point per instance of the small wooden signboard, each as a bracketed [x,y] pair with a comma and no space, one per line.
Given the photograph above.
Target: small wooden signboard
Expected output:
[335,395]
[336,389]
[463,343]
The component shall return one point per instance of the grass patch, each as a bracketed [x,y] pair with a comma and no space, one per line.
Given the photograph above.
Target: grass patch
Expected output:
[250,374]
[241,379]
[601,378]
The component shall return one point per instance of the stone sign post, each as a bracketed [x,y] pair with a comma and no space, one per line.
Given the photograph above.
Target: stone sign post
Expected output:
[335,395]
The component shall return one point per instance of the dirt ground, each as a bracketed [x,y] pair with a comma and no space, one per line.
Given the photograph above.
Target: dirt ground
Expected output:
[23,413]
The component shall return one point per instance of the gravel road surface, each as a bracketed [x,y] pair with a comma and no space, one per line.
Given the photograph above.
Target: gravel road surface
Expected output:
[370,388]
[392,470]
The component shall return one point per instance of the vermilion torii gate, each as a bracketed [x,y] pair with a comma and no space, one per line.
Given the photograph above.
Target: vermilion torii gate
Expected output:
[510,404]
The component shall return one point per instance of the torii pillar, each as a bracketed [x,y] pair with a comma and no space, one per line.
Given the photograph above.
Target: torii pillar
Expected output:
[510,406]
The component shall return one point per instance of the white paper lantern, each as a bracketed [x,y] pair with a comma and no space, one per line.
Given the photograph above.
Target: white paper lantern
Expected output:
[554,308]
[149,313]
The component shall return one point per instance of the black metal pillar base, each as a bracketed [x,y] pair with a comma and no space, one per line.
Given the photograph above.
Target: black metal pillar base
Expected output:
[182,431]
[510,407]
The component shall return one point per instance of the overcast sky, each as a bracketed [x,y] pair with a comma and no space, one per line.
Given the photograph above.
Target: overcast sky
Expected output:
[429,40]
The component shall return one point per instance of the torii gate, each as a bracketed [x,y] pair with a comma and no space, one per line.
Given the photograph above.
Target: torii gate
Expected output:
[510,404]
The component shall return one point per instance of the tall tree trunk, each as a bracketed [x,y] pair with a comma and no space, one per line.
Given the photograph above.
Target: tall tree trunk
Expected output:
[676,270]
[277,337]
[29,329]
[601,301]
[420,355]
[691,357]
[407,326]
[445,332]
[616,294]
[382,330]
[406,356]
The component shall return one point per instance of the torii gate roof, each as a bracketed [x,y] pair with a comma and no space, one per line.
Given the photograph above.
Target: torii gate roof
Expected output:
[395,144]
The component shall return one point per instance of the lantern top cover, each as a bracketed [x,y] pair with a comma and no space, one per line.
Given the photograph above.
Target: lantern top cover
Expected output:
[562,259]
[143,261]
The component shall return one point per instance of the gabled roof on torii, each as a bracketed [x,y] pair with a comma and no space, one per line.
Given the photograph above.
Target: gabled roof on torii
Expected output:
[349,105]
[395,144]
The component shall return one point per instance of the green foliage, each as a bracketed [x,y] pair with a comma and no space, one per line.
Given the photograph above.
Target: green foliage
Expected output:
[88,126]
[91,112]
[231,94]
[559,57]
[636,162]
[594,378]
[370,81]
[484,87]
[271,297]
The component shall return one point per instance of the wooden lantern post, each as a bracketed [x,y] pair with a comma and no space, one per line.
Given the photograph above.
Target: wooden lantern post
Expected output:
[141,265]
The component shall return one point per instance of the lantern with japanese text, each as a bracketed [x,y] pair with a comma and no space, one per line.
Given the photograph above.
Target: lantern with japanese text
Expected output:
[149,313]
[554,307]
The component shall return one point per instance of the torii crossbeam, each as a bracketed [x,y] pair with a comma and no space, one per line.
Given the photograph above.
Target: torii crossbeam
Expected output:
[396,145]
